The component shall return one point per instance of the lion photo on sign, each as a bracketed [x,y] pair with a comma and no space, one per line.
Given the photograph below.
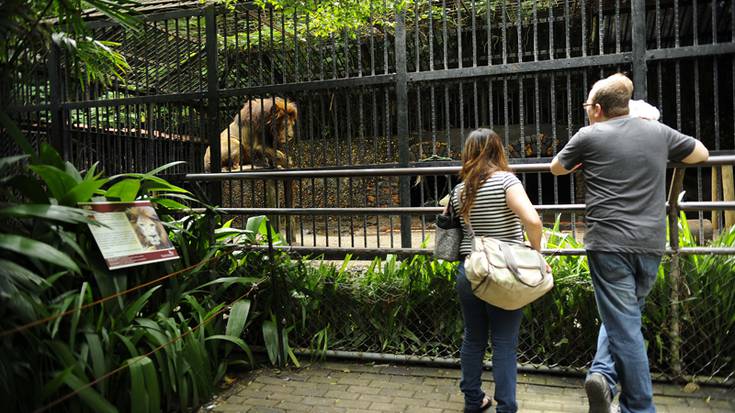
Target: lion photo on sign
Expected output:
[262,128]
[148,228]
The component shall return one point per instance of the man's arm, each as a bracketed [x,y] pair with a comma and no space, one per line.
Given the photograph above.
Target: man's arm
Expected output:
[569,155]
[558,169]
[699,154]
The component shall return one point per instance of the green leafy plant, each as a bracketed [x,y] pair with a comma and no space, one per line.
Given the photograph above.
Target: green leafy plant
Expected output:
[96,335]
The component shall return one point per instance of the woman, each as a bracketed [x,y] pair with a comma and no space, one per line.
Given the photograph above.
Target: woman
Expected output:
[495,203]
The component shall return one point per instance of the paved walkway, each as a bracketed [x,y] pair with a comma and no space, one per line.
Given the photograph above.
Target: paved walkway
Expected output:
[352,387]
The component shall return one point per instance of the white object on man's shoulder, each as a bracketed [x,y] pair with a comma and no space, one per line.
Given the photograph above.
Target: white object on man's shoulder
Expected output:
[641,109]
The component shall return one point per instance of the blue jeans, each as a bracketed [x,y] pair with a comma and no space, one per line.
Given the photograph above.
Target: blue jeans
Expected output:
[622,282]
[481,318]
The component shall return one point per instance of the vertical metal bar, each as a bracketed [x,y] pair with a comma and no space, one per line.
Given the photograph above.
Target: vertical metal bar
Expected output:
[583,14]
[402,125]
[551,33]
[323,113]
[506,122]
[539,148]
[476,104]
[215,189]
[348,121]
[488,29]
[640,68]
[308,47]
[505,33]
[716,100]
[459,34]
[361,117]
[519,30]
[297,52]
[658,29]
[337,161]
[200,63]
[385,47]
[535,31]
[445,41]
[695,22]
[416,45]
[260,48]
[474,35]
[521,123]
[333,44]
[372,40]
[676,24]
[554,137]
[460,105]
[567,29]
[617,27]
[419,129]
[310,110]
[346,50]
[569,136]
[447,118]
[675,271]
[55,133]
[714,21]
[275,280]
[433,120]
[601,27]
[375,133]
[490,105]
[431,35]
[698,135]
[283,46]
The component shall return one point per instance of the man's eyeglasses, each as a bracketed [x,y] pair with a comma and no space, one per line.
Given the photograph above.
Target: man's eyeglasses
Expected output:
[585,105]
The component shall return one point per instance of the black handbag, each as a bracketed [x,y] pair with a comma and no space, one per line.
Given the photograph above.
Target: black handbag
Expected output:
[448,235]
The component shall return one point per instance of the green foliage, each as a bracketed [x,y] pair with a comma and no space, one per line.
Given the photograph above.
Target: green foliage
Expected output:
[164,347]
[32,27]
[356,17]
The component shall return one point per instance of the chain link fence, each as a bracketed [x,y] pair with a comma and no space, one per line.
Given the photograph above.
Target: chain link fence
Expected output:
[409,309]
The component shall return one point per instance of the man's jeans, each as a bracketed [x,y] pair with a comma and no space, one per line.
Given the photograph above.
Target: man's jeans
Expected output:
[622,281]
[479,318]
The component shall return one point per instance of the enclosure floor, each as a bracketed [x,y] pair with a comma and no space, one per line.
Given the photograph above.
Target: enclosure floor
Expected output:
[352,387]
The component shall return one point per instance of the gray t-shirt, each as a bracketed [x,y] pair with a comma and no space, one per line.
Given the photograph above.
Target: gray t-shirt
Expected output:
[624,166]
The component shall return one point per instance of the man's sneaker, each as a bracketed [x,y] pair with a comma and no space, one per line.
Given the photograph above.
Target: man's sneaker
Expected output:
[598,393]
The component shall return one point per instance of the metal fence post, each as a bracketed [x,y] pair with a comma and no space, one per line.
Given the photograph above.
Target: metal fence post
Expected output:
[402,124]
[56,135]
[277,303]
[640,68]
[212,122]
[677,181]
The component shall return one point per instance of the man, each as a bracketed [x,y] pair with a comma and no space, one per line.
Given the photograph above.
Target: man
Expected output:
[623,160]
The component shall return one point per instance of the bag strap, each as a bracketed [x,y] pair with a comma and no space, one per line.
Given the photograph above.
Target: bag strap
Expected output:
[470,231]
[451,204]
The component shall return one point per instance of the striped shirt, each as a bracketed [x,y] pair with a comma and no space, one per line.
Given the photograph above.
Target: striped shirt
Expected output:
[490,215]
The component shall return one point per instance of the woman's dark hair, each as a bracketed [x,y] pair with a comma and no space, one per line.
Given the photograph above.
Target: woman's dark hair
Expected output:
[482,156]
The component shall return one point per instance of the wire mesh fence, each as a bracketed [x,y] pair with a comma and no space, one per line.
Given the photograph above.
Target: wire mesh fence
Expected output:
[410,308]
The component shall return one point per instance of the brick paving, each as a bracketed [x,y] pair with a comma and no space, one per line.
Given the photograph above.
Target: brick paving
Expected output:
[350,387]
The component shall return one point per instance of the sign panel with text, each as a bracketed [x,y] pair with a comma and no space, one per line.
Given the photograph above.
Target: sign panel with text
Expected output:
[131,234]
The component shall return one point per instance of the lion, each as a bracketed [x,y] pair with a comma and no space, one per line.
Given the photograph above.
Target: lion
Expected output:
[148,228]
[261,128]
